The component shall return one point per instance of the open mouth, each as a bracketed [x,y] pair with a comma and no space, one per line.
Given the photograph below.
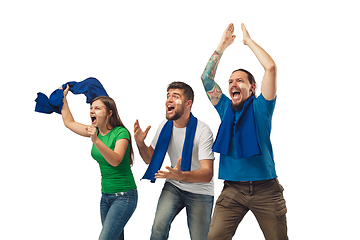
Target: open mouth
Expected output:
[235,94]
[170,108]
[93,119]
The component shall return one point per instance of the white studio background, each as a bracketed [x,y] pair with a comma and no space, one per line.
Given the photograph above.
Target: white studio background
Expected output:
[50,185]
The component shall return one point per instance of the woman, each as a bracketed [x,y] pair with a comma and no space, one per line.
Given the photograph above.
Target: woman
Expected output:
[113,151]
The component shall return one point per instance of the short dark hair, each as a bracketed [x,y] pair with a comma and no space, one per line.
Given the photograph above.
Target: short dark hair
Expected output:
[188,92]
[250,77]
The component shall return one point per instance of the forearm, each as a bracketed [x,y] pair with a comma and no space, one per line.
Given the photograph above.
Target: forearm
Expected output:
[198,176]
[264,58]
[69,121]
[145,152]
[66,114]
[113,158]
[268,85]
[212,89]
[204,174]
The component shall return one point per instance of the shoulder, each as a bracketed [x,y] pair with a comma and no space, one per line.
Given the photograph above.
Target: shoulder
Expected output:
[263,105]
[161,125]
[224,100]
[222,105]
[203,131]
[262,99]
[157,133]
[120,132]
[201,126]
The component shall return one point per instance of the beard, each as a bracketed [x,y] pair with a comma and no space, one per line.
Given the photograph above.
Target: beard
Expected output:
[237,107]
[176,116]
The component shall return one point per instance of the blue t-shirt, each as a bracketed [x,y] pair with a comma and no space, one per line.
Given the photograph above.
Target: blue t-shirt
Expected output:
[255,168]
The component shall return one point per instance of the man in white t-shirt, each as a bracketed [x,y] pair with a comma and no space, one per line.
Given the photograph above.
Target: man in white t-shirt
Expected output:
[193,189]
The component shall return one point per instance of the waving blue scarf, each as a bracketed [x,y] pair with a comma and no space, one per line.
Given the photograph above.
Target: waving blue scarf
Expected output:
[243,130]
[90,87]
[163,144]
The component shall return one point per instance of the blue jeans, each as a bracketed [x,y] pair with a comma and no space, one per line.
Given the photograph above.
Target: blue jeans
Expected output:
[116,210]
[172,200]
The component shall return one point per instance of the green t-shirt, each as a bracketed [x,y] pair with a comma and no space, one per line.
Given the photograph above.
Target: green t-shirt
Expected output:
[114,179]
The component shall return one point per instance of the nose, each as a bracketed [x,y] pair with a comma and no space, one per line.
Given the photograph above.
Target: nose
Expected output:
[170,99]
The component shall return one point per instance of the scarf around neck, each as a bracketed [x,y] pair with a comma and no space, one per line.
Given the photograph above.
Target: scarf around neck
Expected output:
[243,131]
[162,145]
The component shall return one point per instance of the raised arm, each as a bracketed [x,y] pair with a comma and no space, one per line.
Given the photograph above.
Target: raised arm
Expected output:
[212,89]
[139,136]
[268,85]
[68,119]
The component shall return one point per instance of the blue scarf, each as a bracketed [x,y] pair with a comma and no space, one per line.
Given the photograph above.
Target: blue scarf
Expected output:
[90,87]
[243,130]
[163,144]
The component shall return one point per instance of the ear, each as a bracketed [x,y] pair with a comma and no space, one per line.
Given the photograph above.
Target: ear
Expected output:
[110,113]
[189,103]
[252,88]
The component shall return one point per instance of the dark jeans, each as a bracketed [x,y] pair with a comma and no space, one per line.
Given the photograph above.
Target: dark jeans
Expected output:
[265,200]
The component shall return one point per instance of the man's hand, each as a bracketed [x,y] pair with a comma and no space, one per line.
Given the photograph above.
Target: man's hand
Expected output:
[246,36]
[172,173]
[140,135]
[227,38]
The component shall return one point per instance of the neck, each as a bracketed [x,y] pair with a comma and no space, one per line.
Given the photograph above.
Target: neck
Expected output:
[182,121]
[104,130]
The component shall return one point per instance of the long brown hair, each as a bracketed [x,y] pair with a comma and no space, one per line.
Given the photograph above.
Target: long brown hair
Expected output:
[114,120]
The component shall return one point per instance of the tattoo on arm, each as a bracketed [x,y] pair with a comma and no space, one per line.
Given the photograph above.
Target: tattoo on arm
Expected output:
[212,89]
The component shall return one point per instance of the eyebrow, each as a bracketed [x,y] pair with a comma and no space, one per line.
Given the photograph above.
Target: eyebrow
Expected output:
[236,79]
[178,94]
[99,106]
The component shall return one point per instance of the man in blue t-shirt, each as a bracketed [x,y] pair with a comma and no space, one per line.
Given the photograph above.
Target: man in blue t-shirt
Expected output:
[243,141]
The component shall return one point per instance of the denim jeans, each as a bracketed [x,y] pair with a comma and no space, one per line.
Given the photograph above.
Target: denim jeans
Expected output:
[172,200]
[116,209]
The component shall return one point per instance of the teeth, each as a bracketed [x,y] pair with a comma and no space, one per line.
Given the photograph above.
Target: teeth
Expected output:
[170,108]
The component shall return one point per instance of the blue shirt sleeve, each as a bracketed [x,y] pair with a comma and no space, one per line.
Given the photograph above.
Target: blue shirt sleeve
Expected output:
[265,106]
[222,106]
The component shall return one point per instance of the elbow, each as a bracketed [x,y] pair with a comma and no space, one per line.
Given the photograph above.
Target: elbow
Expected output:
[208,176]
[147,161]
[209,179]
[271,67]
[67,125]
[116,162]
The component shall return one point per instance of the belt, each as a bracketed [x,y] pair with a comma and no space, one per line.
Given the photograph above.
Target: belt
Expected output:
[253,182]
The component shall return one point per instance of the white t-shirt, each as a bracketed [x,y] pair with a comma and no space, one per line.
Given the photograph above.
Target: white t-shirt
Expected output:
[202,149]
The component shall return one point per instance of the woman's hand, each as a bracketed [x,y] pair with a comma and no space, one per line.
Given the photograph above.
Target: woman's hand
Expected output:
[92,133]
[66,90]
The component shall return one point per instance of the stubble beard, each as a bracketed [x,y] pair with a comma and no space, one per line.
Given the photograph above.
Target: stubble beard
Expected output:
[176,116]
